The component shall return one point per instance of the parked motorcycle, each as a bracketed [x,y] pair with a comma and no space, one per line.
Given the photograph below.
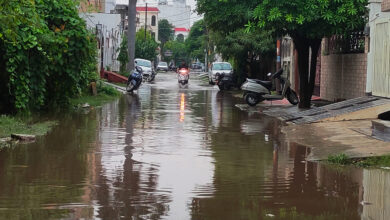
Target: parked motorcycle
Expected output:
[148,76]
[135,79]
[223,80]
[256,91]
[183,77]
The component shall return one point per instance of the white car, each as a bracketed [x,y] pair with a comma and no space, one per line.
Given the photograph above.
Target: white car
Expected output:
[147,69]
[162,66]
[219,67]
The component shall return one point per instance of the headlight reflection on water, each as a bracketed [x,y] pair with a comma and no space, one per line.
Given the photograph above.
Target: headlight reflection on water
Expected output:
[182,107]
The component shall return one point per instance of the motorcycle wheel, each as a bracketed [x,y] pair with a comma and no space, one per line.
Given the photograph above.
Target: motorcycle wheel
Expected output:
[129,87]
[292,97]
[252,99]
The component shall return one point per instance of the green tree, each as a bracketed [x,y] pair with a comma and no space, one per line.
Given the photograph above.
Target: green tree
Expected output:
[145,48]
[165,31]
[178,50]
[307,22]
[225,21]
[196,41]
[47,54]
[123,55]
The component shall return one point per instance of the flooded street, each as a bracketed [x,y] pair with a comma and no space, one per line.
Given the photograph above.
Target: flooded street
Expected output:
[170,153]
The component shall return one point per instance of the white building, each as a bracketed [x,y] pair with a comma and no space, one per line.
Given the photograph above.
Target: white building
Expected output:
[181,31]
[177,13]
[109,37]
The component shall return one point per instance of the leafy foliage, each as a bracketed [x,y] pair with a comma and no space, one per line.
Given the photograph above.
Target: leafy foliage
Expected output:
[196,41]
[307,21]
[145,48]
[123,55]
[312,18]
[178,49]
[165,31]
[225,21]
[47,54]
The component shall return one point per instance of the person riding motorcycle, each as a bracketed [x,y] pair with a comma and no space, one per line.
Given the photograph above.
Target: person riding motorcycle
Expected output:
[183,65]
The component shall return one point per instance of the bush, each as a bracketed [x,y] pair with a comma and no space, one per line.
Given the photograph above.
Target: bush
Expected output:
[339,159]
[47,54]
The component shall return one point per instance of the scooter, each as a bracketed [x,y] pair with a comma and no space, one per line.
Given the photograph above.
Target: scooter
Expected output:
[223,80]
[183,77]
[256,91]
[135,79]
[148,76]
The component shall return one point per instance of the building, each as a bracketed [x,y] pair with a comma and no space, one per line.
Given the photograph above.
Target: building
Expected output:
[181,32]
[176,12]
[108,33]
[148,16]
[378,59]
[145,14]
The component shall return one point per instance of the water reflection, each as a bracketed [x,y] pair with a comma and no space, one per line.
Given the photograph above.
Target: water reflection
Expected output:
[182,107]
[133,159]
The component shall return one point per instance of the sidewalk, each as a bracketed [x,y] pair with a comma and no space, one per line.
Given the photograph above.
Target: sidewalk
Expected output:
[343,127]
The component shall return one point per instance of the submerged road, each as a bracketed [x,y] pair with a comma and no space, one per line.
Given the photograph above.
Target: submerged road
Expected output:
[171,153]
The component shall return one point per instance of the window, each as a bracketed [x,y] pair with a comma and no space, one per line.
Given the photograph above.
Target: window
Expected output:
[153,20]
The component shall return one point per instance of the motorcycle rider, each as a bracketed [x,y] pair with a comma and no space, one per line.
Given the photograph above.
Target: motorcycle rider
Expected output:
[183,65]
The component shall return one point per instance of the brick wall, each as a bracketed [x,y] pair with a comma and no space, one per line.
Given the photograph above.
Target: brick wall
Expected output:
[343,76]
[386,5]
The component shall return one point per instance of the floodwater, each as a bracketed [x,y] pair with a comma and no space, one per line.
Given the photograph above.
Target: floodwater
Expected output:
[170,153]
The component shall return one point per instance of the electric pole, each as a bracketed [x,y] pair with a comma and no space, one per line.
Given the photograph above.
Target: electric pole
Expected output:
[131,20]
[146,19]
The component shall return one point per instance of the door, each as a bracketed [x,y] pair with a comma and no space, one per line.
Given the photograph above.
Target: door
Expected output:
[381,70]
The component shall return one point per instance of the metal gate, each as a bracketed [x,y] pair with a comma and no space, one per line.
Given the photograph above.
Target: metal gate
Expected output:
[381,70]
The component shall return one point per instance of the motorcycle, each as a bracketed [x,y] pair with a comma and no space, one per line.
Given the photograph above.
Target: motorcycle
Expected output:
[223,80]
[135,79]
[256,91]
[183,76]
[148,76]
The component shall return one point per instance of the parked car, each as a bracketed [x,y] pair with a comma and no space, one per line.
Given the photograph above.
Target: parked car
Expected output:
[162,66]
[220,68]
[196,66]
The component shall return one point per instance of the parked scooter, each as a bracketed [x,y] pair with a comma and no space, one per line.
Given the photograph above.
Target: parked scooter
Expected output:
[223,80]
[183,77]
[256,91]
[135,79]
[148,76]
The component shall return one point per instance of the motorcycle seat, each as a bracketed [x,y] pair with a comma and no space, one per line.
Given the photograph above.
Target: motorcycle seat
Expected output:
[266,84]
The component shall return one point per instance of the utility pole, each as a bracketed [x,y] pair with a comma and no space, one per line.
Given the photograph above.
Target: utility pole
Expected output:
[146,19]
[131,19]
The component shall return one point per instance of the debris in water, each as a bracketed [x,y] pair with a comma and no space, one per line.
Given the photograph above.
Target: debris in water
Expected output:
[86,105]
[385,168]
[270,215]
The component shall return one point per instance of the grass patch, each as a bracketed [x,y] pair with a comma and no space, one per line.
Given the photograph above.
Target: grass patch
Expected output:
[342,159]
[105,94]
[14,125]
[339,159]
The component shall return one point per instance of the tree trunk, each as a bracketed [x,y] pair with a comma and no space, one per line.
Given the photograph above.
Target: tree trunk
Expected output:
[306,76]
[132,10]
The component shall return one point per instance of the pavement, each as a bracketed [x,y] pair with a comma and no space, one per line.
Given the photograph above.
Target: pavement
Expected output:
[343,127]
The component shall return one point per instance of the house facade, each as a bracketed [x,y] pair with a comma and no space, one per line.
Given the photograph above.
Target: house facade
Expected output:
[378,60]
[108,33]
[148,16]
[181,31]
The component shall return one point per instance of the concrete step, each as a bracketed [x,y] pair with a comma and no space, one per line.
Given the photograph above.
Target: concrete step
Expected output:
[381,129]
